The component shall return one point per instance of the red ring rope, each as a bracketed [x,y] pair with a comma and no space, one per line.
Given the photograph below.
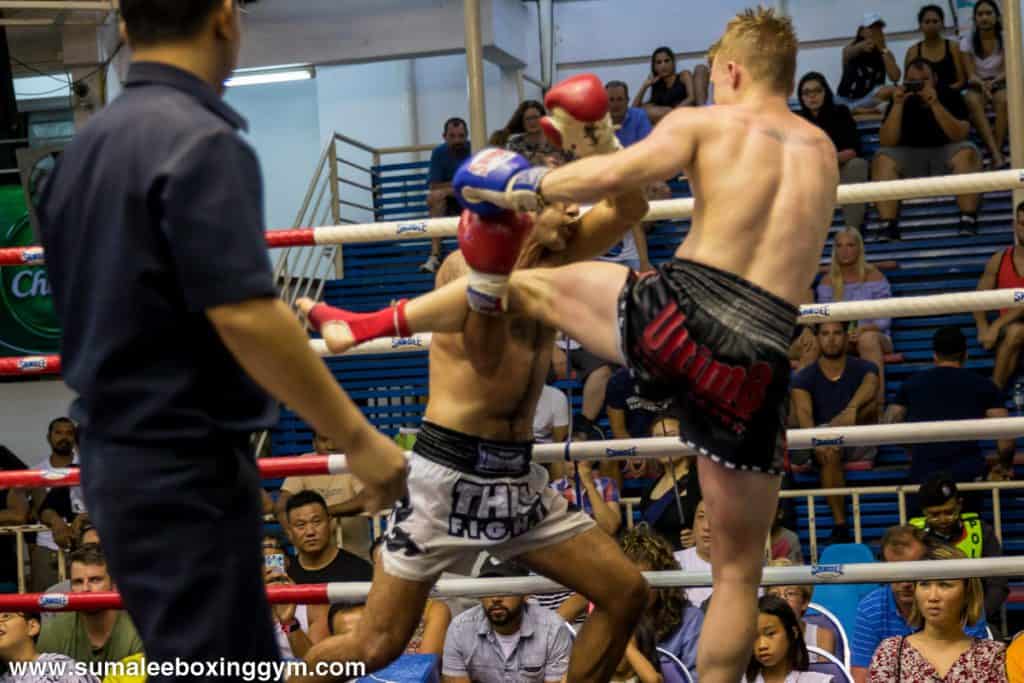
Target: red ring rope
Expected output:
[305,594]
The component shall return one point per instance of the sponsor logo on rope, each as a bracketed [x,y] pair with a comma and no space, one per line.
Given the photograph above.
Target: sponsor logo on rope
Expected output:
[821,311]
[406,228]
[53,601]
[398,342]
[57,473]
[30,256]
[836,441]
[620,453]
[1018,296]
[827,571]
[31,363]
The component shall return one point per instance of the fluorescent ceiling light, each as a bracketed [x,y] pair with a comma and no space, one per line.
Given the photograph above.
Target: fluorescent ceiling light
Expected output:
[42,87]
[276,74]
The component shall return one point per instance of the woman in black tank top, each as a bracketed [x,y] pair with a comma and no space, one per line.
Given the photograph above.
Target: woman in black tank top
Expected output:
[668,88]
[942,54]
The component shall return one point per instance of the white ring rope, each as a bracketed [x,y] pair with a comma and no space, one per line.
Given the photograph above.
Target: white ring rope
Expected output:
[857,193]
[865,435]
[896,307]
[875,572]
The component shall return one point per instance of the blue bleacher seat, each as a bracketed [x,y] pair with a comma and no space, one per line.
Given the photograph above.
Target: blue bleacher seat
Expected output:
[842,599]
[830,666]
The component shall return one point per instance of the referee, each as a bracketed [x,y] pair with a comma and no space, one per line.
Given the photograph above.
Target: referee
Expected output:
[172,332]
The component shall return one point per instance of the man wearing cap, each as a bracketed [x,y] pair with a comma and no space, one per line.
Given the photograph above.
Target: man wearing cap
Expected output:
[506,638]
[949,391]
[867,61]
[944,521]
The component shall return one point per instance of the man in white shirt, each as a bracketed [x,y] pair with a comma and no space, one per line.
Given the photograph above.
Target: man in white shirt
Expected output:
[698,558]
[551,420]
[56,508]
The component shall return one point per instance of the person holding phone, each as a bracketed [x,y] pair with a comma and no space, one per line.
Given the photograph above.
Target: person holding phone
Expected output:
[925,134]
[291,621]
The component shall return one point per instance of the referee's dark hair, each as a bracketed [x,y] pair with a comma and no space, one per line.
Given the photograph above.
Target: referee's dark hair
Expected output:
[949,344]
[151,22]
[303,498]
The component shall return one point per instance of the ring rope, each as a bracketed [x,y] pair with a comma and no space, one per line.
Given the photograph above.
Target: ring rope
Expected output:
[653,447]
[669,209]
[356,592]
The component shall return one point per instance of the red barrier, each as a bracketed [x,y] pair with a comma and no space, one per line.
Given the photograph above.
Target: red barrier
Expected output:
[306,594]
[270,468]
[21,256]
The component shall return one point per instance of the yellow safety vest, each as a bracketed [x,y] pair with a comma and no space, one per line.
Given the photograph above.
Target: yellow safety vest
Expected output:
[973,539]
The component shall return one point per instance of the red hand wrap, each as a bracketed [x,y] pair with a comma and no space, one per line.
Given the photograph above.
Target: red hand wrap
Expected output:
[387,322]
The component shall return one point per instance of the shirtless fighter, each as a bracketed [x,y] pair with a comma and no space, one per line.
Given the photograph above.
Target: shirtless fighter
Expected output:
[471,483]
[711,327]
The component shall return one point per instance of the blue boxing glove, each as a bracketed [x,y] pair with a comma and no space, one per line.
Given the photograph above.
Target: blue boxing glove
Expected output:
[491,181]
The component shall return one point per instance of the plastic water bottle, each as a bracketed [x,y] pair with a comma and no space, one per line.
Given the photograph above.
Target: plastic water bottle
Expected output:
[1018,396]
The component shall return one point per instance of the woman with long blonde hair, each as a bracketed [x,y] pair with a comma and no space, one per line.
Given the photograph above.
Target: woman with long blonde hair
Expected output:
[940,650]
[852,278]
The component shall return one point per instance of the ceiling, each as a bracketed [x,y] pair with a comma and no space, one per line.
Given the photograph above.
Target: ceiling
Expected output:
[34,29]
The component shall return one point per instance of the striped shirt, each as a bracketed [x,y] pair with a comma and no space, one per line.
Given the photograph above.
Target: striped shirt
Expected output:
[879,618]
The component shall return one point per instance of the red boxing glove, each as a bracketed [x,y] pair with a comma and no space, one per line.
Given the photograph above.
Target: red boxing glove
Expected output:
[491,247]
[579,120]
[387,322]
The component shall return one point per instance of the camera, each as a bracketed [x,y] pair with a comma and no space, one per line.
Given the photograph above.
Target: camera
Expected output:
[913,86]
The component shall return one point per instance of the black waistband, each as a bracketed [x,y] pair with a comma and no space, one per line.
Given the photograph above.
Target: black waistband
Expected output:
[471,454]
[736,302]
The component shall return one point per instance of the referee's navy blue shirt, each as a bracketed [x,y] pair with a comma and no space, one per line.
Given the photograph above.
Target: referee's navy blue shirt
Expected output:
[153,215]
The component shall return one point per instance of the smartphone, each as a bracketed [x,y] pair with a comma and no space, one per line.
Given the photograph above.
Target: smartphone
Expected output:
[274,561]
[913,86]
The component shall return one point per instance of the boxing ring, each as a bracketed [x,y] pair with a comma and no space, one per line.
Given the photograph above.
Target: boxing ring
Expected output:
[654,447]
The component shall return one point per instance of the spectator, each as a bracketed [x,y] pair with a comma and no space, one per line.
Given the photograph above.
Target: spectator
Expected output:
[632,125]
[984,65]
[106,635]
[852,278]
[632,416]
[444,161]
[319,559]
[799,599]
[674,617]
[1015,660]
[785,544]
[836,391]
[925,397]
[668,88]
[669,505]
[345,501]
[1004,335]
[867,61]
[698,557]
[594,372]
[15,509]
[526,137]
[702,85]
[817,105]
[291,621]
[18,634]
[886,611]
[429,636]
[941,54]
[641,663]
[55,507]
[505,634]
[84,534]
[945,523]
[780,653]
[939,612]
[600,494]
[924,134]
[551,419]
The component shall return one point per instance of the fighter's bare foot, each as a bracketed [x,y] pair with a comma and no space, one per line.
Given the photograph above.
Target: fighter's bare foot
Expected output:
[336,333]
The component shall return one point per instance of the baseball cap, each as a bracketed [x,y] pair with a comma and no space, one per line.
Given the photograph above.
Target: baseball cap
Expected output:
[937,490]
[872,18]
[493,567]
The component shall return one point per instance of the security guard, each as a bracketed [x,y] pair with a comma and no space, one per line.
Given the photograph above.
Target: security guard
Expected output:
[945,522]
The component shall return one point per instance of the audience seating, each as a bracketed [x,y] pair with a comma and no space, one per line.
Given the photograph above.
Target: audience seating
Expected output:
[822,617]
[830,666]
[672,669]
[840,600]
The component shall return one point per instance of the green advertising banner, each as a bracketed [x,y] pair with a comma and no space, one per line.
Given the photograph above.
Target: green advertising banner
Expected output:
[28,323]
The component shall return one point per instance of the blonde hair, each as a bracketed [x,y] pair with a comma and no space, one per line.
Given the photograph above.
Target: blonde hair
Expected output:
[974,594]
[807,590]
[765,44]
[835,272]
